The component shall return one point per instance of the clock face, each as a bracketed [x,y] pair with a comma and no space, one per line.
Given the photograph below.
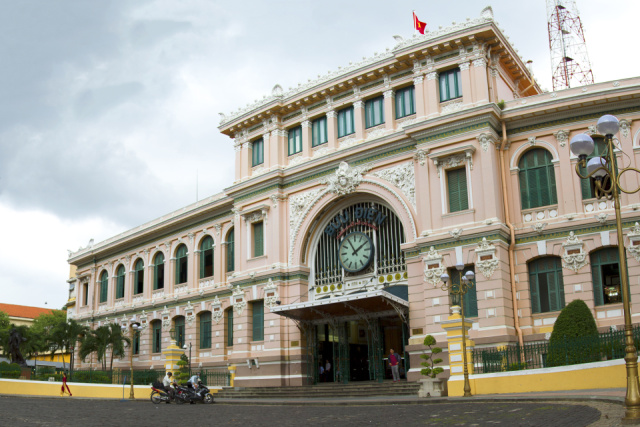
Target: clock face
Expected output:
[355,251]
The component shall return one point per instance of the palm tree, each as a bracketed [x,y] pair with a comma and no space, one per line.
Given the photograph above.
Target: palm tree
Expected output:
[96,341]
[64,336]
[117,340]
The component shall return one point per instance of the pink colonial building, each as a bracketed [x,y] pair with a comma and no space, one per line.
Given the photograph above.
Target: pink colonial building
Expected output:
[354,193]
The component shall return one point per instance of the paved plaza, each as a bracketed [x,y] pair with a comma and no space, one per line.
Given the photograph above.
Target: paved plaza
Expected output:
[21,411]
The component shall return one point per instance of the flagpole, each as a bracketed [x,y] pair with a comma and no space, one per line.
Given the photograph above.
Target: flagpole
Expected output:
[414,22]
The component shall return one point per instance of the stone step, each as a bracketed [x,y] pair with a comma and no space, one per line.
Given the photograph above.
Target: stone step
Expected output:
[323,391]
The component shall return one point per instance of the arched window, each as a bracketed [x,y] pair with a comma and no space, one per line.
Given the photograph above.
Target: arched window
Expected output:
[120,282]
[230,252]
[181,264]
[158,271]
[104,286]
[156,328]
[605,273]
[206,257]
[588,185]
[139,277]
[205,329]
[178,324]
[546,285]
[537,179]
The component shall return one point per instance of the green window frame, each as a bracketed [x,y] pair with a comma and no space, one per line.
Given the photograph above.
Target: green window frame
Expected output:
[405,102]
[546,285]
[230,327]
[588,185]
[178,325]
[205,329]
[605,274]
[257,152]
[346,122]
[181,264]
[231,264]
[104,287]
[470,298]
[457,190]
[319,134]
[258,320]
[85,294]
[139,277]
[157,337]
[374,112]
[295,140]
[450,85]
[158,271]
[537,179]
[258,239]
[206,257]
[120,281]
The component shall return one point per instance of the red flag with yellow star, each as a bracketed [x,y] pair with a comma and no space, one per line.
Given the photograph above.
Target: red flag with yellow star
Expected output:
[418,25]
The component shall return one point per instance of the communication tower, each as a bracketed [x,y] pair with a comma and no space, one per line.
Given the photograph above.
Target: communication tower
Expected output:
[570,64]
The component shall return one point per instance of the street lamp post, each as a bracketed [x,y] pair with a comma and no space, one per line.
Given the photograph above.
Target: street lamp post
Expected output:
[185,347]
[466,282]
[604,171]
[134,329]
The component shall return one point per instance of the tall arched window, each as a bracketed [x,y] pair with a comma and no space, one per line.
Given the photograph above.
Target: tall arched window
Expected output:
[156,328]
[546,284]
[230,252]
[537,179]
[104,286]
[206,257]
[605,273]
[179,328]
[138,285]
[120,282]
[205,329]
[181,264]
[158,271]
[229,327]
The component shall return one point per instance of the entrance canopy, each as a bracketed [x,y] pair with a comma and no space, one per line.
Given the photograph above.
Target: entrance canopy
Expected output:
[377,303]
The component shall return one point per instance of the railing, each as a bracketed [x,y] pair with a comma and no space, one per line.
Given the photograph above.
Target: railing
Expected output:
[570,351]
[215,377]
[94,376]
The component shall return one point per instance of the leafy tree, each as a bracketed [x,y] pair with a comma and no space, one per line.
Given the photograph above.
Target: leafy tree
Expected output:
[574,337]
[117,340]
[183,374]
[430,370]
[4,321]
[61,334]
[103,339]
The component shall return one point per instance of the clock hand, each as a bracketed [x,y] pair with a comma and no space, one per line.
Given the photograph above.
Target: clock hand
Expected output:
[359,247]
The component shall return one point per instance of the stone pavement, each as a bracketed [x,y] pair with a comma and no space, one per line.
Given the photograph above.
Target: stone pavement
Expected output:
[598,408]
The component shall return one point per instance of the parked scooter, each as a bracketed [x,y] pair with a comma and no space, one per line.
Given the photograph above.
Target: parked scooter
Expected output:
[159,393]
[201,395]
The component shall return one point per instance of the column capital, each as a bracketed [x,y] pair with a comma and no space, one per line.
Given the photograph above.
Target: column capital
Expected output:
[358,104]
[332,114]
[432,75]
[389,94]
[418,80]
[464,66]
[306,124]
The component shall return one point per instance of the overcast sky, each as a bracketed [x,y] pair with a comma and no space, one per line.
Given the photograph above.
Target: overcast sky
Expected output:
[109,109]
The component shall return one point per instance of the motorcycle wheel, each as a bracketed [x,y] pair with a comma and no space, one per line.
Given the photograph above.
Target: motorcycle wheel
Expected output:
[208,398]
[179,400]
[155,397]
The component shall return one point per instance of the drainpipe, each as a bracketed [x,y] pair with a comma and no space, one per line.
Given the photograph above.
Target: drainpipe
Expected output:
[512,233]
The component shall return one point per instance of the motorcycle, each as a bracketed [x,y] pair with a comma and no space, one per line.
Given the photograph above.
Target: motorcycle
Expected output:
[202,394]
[159,394]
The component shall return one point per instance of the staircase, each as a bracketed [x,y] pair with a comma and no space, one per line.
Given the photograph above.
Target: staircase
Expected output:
[324,391]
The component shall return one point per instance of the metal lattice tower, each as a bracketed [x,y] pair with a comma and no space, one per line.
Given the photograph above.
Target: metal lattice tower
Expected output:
[570,64]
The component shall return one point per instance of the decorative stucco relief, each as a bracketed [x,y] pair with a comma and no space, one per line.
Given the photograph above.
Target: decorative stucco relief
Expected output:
[216,309]
[403,177]
[487,261]
[574,257]
[166,321]
[238,301]
[271,294]
[562,136]
[433,267]
[634,241]
[190,313]
[346,179]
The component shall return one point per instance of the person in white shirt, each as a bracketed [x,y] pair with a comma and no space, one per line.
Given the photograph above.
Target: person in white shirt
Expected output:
[166,381]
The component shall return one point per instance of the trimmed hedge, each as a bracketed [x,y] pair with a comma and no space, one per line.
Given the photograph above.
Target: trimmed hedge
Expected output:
[574,321]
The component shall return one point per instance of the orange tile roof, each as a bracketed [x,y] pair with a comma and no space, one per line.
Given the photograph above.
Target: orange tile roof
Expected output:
[24,311]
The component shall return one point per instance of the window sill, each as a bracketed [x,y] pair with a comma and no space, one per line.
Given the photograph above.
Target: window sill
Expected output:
[257,257]
[319,145]
[466,211]
[403,117]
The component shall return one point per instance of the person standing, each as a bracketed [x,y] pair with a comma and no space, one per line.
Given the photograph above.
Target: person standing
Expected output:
[327,370]
[394,361]
[64,384]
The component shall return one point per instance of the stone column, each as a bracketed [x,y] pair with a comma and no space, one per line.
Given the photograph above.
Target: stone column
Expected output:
[465,79]
[306,138]
[332,130]
[238,148]
[358,119]
[418,83]
[266,153]
[455,329]
[481,83]
[431,95]
[389,110]
[245,161]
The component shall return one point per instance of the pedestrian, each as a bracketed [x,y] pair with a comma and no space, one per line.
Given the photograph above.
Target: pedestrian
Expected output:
[394,360]
[64,384]
[327,370]
[321,371]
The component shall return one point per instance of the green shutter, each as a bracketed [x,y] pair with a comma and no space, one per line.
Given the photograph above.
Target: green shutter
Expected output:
[549,268]
[471,302]
[230,252]
[258,239]
[258,321]
[230,327]
[537,179]
[534,287]
[457,188]
[205,330]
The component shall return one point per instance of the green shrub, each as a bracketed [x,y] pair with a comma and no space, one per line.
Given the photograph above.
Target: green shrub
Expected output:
[182,375]
[430,370]
[501,104]
[575,337]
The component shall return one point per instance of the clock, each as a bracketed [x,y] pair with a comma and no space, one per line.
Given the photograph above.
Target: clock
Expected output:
[355,252]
